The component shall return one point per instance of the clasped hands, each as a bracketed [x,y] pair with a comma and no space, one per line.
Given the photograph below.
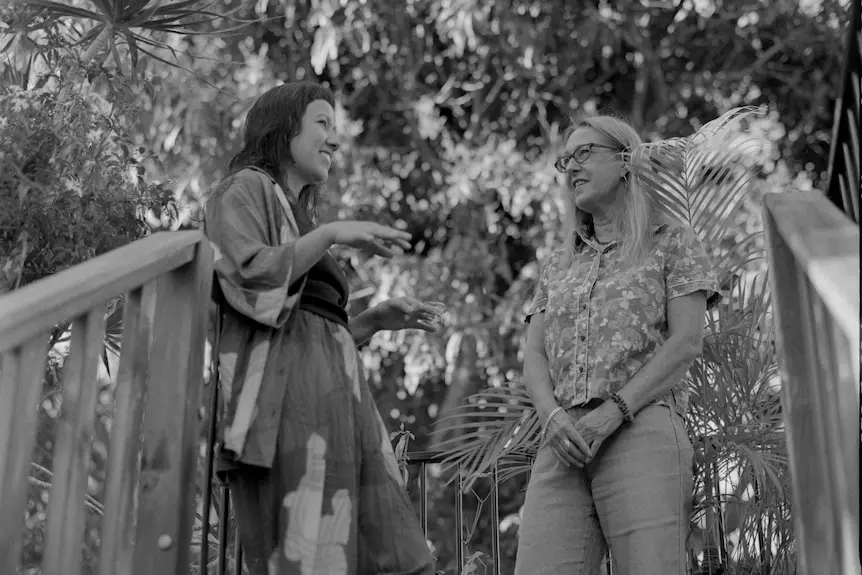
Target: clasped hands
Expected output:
[576,443]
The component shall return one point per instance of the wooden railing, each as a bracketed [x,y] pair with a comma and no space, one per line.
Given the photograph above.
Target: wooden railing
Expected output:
[844,183]
[814,274]
[150,478]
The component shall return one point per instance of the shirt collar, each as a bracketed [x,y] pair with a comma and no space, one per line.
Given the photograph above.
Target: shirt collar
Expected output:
[590,239]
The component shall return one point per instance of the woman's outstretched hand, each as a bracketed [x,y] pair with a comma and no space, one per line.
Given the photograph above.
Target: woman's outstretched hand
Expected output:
[565,441]
[367,236]
[408,313]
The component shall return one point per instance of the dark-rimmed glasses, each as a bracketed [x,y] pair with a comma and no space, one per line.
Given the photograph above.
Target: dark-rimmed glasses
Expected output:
[580,155]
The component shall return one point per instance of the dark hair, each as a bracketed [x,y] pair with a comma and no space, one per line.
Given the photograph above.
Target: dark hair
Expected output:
[273,121]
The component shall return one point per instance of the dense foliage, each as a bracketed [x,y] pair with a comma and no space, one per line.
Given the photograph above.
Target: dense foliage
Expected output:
[450,112]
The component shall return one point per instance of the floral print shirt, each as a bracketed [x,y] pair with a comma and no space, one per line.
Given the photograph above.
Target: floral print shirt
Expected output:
[605,319]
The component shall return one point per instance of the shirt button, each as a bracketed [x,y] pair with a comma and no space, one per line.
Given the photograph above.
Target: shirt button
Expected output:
[583,306]
[580,369]
[582,338]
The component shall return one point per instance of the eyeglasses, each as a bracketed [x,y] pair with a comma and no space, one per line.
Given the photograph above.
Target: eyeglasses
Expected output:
[580,155]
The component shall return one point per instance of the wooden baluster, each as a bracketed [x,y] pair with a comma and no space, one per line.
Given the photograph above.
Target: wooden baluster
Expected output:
[118,534]
[75,428]
[171,423]
[21,372]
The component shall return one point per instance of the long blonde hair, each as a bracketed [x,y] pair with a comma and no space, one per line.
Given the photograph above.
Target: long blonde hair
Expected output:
[634,224]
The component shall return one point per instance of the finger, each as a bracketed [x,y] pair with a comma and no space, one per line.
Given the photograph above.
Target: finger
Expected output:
[562,456]
[402,305]
[566,457]
[379,250]
[570,447]
[595,446]
[431,310]
[569,453]
[423,325]
[392,235]
[577,439]
[579,456]
[403,243]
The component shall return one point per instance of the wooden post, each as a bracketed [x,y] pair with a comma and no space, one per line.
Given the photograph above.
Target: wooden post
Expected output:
[64,534]
[813,272]
[21,373]
[118,534]
[167,484]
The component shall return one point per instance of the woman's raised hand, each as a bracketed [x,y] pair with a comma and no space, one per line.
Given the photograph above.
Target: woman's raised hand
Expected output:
[368,236]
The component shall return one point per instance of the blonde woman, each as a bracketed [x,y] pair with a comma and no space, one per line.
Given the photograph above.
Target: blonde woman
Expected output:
[616,321]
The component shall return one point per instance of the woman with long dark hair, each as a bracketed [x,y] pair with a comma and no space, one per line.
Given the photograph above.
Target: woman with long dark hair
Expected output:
[313,477]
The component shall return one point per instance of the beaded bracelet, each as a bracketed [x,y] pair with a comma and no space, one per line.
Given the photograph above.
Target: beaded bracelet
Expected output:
[551,415]
[624,407]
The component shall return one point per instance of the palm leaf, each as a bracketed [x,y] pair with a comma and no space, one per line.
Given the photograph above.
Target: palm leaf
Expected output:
[495,426]
[131,18]
[702,179]
[113,332]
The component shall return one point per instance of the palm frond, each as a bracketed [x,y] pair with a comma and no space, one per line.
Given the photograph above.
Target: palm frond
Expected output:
[495,426]
[702,179]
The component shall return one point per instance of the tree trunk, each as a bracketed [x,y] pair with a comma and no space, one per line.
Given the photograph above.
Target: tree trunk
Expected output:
[461,360]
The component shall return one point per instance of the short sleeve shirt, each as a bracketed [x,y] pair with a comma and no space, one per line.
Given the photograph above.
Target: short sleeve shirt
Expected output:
[605,318]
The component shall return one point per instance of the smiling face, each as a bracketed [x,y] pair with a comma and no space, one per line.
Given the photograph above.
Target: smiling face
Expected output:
[595,178]
[312,148]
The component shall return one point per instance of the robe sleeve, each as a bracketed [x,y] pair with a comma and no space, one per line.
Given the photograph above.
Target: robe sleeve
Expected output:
[254,242]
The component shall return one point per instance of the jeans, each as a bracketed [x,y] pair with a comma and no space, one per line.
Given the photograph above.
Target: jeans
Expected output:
[635,496]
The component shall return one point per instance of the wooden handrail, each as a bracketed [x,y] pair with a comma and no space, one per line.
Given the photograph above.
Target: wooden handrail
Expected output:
[825,243]
[845,151]
[46,302]
[150,481]
[813,252]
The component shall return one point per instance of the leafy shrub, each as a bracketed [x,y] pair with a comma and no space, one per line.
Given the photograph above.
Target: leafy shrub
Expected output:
[71,178]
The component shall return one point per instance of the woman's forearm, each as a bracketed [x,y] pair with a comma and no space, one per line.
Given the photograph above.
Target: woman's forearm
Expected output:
[537,380]
[661,373]
[308,250]
[363,326]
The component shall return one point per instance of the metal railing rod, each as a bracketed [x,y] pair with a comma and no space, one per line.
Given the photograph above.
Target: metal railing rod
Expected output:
[224,513]
[237,551]
[495,518]
[208,476]
[459,522]
[423,498]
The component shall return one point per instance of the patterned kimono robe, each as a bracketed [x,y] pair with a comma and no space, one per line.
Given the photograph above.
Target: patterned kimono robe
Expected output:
[313,477]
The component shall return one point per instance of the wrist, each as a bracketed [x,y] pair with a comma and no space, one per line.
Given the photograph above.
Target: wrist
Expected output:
[546,420]
[613,411]
[327,234]
[544,411]
[371,318]
[621,407]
